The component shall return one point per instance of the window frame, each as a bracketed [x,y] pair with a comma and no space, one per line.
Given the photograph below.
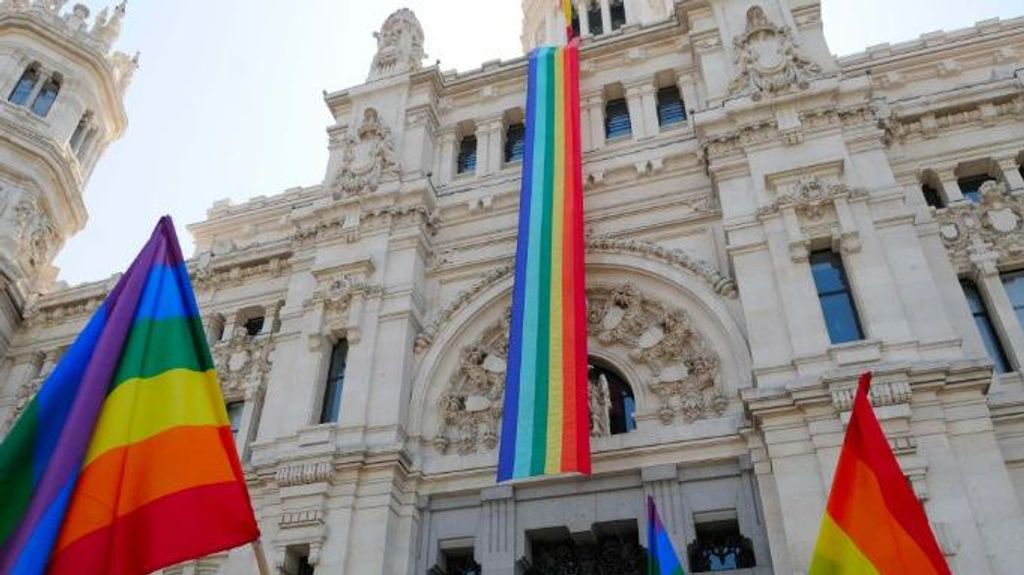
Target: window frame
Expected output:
[509,155]
[43,110]
[622,134]
[334,383]
[33,68]
[826,293]
[986,326]
[663,121]
[466,163]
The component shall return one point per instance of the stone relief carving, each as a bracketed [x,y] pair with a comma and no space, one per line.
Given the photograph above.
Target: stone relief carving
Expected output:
[426,337]
[43,364]
[124,69]
[768,59]
[24,220]
[368,155]
[991,226]
[243,364]
[811,197]
[684,370]
[399,46]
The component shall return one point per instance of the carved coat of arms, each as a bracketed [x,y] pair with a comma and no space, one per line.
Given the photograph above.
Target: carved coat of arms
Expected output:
[368,155]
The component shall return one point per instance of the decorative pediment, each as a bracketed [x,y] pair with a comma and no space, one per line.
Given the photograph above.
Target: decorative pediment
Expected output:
[683,369]
[813,208]
[339,301]
[367,157]
[992,226]
[768,60]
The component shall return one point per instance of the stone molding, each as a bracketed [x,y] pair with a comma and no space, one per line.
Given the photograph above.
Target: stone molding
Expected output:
[684,369]
[768,59]
[906,128]
[304,473]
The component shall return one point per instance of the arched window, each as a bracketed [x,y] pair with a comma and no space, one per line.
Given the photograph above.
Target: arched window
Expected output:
[466,161]
[612,395]
[618,13]
[594,18]
[333,387]
[25,86]
[515,142]
[79,134]
[47,96]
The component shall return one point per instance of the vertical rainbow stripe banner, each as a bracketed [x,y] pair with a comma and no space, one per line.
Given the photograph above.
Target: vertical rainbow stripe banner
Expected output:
[873,522]
[546,420]
[661,555]
[124,463]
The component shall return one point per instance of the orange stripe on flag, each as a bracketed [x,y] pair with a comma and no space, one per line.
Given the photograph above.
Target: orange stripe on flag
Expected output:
[127,478]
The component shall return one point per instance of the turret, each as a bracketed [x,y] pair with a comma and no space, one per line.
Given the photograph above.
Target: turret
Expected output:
[61,105]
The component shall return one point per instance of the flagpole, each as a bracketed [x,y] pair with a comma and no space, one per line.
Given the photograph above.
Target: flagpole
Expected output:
[261,557]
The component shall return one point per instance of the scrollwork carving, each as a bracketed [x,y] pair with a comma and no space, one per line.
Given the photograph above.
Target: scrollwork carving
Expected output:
[993,225]
[367,157]
[768,60]
[243,364]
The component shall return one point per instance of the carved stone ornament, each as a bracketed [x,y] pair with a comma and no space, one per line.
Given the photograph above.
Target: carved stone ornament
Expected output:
[399,46]
[23,220]
[768,60]
[105,29]
[43,364]
[684,370]
[992,226]
[243,364]
[368,155]
[812,197]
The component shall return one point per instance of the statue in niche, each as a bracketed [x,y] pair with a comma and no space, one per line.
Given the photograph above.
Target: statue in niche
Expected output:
[367,156]
[600,407]
[399,46]
[768,60]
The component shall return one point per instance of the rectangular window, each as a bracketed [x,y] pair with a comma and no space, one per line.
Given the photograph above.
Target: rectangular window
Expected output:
[932,197]
[1014,284]
[836,300]
[985,327]
[331,409]
[467,155]
[235,409]
[618,13]
[671,110]
[720,546]
[971,187]
[616,119]
[515,142]
[253,326]
[594,18]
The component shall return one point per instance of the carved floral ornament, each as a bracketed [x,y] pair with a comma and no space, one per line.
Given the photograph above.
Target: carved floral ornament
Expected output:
[23,220]
[683,369]
[367,157]
[768,59]
[994,225]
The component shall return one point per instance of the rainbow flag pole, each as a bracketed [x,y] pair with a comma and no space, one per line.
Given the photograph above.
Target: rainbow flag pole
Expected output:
[124,463]
[546,420]
[873,522]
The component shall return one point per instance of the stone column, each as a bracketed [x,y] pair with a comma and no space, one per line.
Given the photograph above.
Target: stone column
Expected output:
[581,9]
[483,148]
[594,104]
[650,108]
[446,157]
[271,317]
[989,282]
[1011,173]
[950,187]
[688,92]
[634,99]
[495,140]
[606,16]
[496,540]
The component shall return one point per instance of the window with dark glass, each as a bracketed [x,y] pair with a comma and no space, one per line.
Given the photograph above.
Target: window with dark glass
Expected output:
[836,299]
[335,384]
[467,155]
[986,328]
[932,196]
[26,84]
[457,562]
[594,19]
[296,561]
[618,14]
[235,409]
[720,546]
[671,110]
[616,119]
[47,96]
[79,134]
[253,326]
[515,142]
[1014,284]
[575,22]
[971,187]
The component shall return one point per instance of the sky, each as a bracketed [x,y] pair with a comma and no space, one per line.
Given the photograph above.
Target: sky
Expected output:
[228,101]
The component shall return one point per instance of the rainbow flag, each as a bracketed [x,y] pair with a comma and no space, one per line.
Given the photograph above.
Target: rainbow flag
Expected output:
[124,463]
[873,522]
[567,14]
[661,555]
[546,420]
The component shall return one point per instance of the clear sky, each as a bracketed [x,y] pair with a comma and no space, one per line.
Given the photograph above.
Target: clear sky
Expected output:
[228,100]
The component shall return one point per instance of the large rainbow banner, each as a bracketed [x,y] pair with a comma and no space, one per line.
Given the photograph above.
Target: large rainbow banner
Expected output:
[546,420]
[124,463]
[873,523]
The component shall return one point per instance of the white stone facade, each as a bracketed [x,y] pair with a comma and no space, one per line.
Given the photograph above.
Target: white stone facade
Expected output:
[700,238]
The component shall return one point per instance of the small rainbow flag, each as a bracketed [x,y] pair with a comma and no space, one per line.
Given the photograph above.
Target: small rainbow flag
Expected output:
[873,522]
[546,420]
[567,14]
[661,555]
[124,463]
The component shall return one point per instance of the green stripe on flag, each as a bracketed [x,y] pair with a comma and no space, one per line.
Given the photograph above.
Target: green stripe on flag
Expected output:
[156,346]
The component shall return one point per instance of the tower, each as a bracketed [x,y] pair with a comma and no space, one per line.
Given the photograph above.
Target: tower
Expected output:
[61,105]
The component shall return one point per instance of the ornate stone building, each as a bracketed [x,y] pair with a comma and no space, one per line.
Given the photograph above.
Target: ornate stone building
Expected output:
[764,222]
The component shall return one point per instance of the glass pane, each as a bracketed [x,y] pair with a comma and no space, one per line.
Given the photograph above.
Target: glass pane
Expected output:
[670,107]
[515,143]
[235,409]
[594,19]
[467,155]
[971,187]
[828,274]
[254,326]
[1014,283]
[840,318]
[618,13]
[335,384]
[44,101]
[24,88]
[616,121]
